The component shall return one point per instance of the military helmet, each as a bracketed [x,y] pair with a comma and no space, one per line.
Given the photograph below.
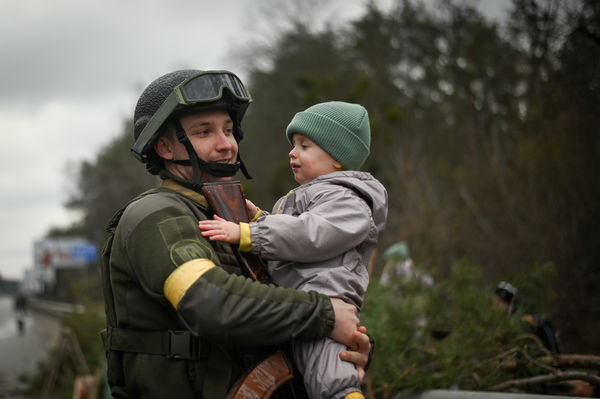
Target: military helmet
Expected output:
[506,291]
[180,92]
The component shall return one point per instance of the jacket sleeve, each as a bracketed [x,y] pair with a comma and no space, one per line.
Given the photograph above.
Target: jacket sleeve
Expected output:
[167,246]
[333,223]
[235,309]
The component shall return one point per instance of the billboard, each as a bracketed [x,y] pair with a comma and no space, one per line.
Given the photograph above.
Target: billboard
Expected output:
[63,252]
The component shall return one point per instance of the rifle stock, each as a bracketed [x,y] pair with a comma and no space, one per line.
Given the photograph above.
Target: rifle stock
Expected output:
[263,380]
[228,201]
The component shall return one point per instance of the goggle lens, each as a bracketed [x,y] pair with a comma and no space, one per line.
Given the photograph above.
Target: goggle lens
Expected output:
[209,87]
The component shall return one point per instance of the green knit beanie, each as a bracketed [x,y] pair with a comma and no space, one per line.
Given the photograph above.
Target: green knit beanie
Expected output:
[341,129]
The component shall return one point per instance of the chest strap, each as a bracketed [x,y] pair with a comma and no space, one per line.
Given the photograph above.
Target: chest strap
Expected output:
[171,344]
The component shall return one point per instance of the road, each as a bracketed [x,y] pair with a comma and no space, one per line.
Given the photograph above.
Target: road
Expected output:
[21,352]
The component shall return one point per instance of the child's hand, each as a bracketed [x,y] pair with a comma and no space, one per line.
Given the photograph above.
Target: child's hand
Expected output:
[220,229]
[252,209]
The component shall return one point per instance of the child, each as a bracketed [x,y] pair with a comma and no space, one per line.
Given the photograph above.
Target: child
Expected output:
[321,234]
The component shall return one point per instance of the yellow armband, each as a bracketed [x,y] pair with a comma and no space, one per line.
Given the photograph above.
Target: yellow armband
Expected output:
[178,282]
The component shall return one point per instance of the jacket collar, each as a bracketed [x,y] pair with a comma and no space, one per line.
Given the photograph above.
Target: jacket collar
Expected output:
[195,196]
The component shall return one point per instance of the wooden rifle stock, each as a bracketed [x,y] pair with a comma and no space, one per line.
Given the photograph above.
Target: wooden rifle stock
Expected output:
[263,380]
[227,200]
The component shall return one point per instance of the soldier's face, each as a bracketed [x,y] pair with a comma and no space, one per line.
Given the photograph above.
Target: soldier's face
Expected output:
[211,135]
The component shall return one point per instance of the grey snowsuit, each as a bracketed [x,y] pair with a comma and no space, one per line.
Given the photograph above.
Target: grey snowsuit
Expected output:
[320,237]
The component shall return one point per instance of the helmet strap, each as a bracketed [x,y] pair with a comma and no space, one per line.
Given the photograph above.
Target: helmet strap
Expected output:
[243,167]
[214,168]
[239,135]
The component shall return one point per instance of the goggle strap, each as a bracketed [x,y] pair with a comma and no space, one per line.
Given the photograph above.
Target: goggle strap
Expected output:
[153,125]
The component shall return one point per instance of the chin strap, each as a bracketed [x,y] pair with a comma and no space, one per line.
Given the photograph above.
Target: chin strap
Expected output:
[243,167]
[214,168]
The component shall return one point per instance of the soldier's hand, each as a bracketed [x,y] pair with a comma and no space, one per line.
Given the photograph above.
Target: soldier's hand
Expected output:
[346,322]
[359,352]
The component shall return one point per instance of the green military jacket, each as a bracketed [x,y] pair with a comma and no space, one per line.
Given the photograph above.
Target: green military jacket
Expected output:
[160,274]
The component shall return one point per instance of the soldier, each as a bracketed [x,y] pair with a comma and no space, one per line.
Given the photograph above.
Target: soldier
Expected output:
[181,320]
[507,297]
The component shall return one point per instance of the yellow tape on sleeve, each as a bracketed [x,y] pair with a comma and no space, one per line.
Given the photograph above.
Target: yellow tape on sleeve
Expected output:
[178,282]
[245,239]
[258,213]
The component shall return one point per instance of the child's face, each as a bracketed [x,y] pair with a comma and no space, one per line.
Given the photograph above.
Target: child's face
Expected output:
[309,161]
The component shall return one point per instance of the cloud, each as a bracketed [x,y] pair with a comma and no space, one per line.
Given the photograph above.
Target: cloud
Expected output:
[90,49]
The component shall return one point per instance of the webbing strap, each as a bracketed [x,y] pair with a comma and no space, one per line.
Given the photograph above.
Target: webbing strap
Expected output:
[171,344]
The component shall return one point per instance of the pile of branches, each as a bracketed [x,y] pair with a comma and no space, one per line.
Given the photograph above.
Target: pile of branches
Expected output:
[449,335]
[572,374]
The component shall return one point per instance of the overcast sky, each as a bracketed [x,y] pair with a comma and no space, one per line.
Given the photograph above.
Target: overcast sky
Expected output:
[70,73]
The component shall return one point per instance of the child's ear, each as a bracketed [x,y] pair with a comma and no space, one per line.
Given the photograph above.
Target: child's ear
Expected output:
[337,165]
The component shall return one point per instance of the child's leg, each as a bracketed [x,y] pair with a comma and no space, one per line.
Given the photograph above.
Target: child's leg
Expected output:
[325,374]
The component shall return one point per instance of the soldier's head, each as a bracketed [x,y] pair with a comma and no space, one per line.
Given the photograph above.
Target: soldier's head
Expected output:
[505,297]
[189,122]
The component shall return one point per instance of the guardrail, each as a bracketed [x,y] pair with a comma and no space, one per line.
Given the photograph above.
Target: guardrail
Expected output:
[54,308]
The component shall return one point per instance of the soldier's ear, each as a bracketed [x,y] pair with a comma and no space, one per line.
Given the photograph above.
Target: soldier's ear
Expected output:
[164,148]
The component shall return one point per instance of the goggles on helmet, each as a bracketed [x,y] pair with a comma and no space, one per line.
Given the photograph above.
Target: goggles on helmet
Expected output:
[205,87]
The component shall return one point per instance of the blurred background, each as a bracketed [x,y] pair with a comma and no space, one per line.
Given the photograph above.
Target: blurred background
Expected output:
[484,118]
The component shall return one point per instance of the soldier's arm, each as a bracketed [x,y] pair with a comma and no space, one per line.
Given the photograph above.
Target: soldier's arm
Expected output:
[176,265]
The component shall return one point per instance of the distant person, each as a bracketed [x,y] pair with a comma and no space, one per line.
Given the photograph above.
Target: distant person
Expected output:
[506,297]
[320,235]
[182,320]
[20,302]
[20,306]
[399,266]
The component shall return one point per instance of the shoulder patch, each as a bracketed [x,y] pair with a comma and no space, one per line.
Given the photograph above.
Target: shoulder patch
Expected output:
[177,233]
[186,250]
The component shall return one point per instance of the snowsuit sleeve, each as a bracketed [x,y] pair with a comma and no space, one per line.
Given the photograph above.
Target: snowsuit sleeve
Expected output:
[335,221]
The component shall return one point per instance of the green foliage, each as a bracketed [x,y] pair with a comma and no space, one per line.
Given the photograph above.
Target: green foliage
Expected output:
[533,284]
[449,335]
[86,328]
[484,133]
